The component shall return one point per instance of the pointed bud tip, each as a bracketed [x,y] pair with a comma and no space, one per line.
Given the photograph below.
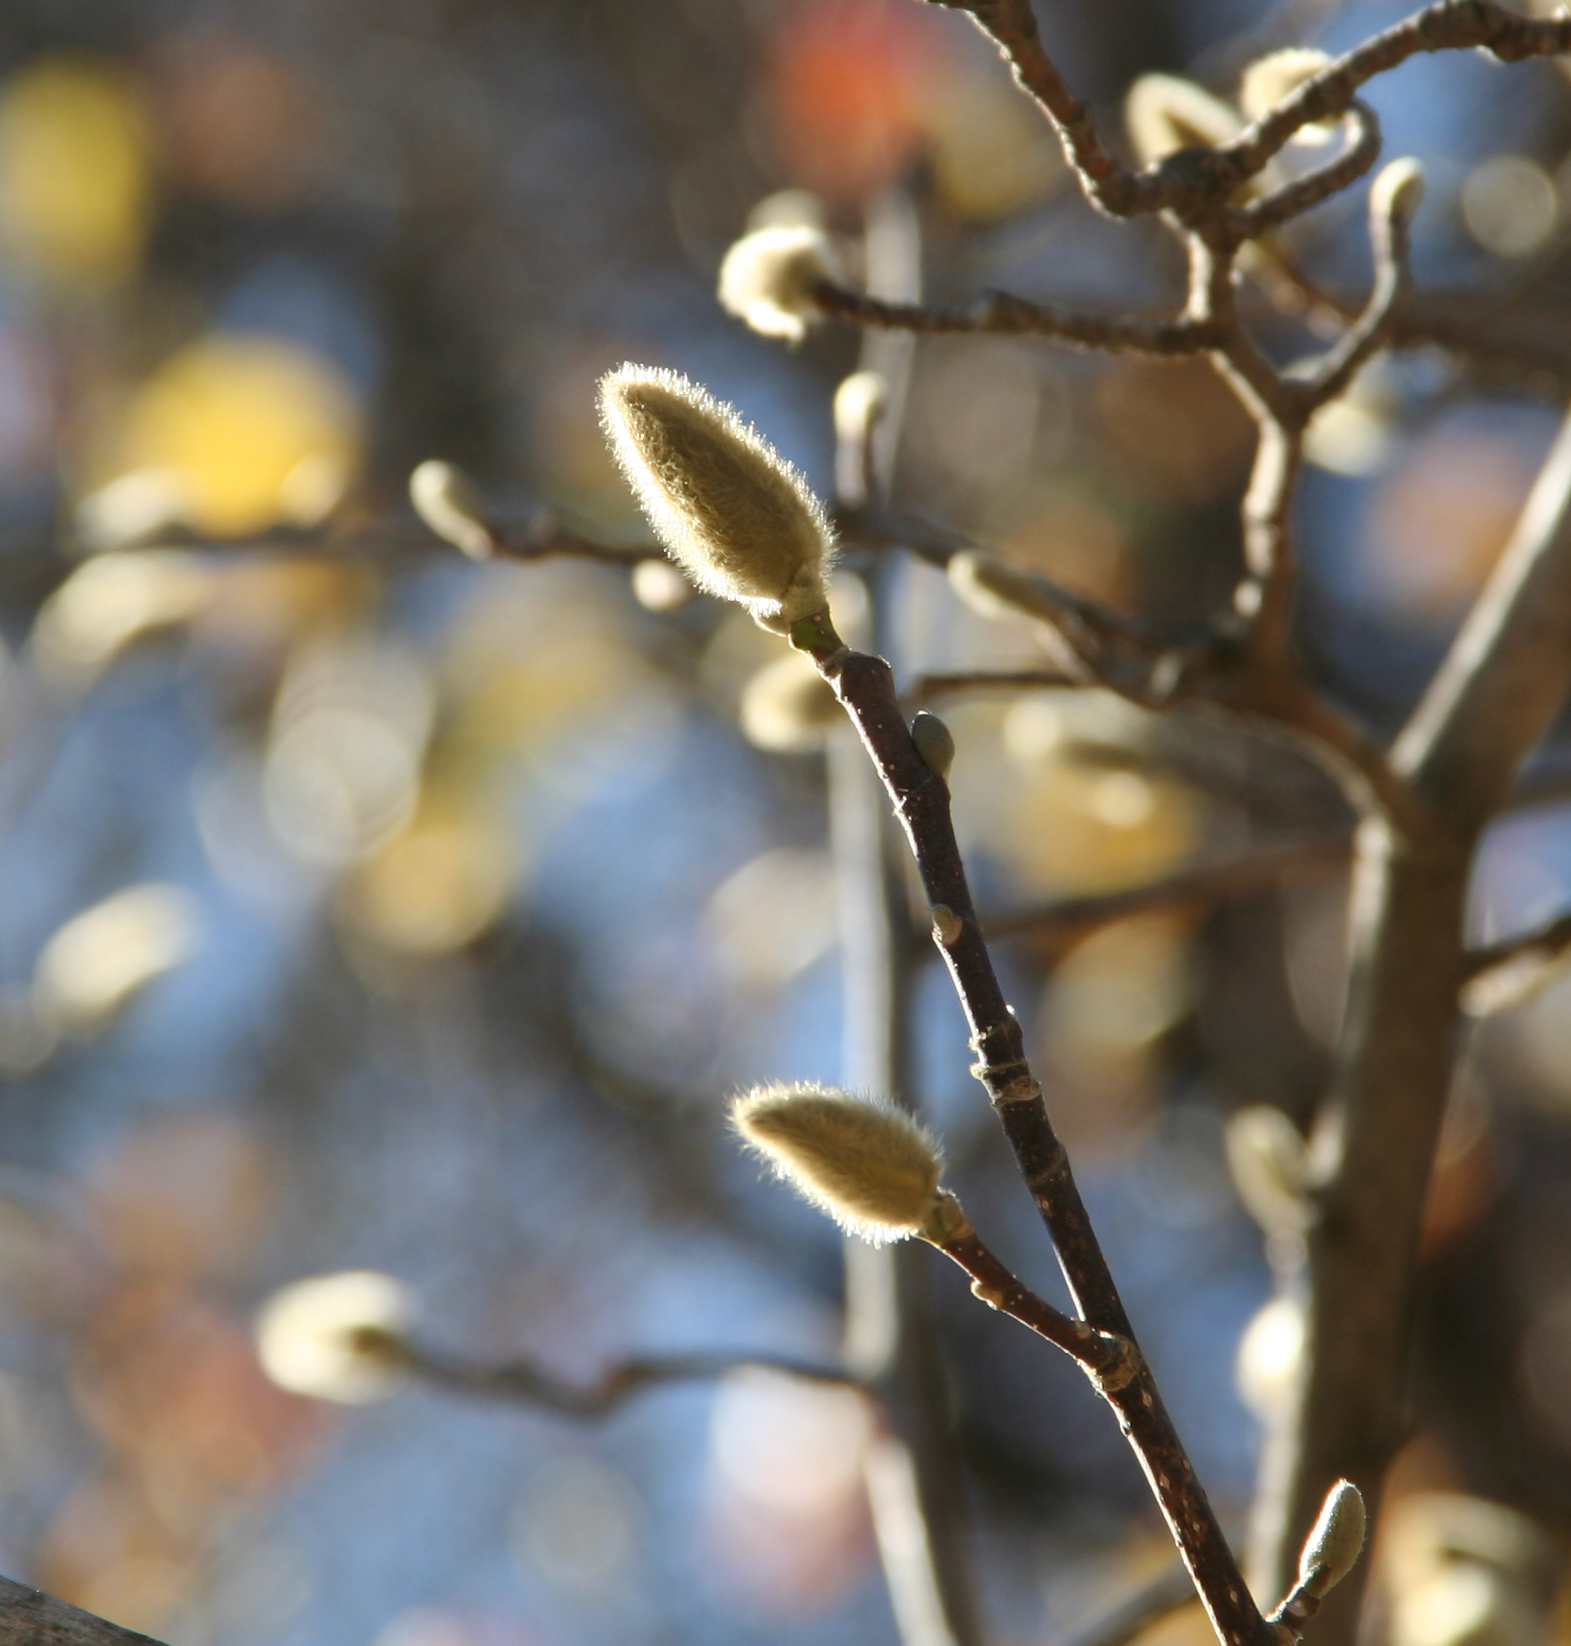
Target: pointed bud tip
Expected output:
[1335,1541]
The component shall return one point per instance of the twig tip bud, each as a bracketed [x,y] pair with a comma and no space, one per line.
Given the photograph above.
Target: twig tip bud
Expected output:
[934,741]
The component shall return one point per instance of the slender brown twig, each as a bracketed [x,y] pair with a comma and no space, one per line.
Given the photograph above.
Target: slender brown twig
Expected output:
[531,1385]
[865,686]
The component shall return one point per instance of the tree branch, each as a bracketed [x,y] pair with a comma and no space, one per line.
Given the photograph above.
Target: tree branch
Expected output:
[28,1618]
[865,686]
[531,1385]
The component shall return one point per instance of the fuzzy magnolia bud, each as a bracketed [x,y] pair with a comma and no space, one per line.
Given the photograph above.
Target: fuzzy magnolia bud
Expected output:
[768,276]
[335,1337]
[1268,81]
[788,707]
[738,519]
[934,742]
[449,502]
[1335,1541]
[1397,191]
[869,1165]
[1165,114]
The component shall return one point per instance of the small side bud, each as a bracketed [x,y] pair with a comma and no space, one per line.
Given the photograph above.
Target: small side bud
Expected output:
[737,518]
[768,276]
[659,587]
[868,1164]
[788,707]
[1164,114]
[336,1337]
[947,925]
[1335,1541]
[1397,192]
[1271,79]
[934,742]
[449,502]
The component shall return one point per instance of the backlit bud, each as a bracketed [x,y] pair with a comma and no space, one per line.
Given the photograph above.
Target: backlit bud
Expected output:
[449,502]
[768,276]
[788,707]
[1397,191]
[336,1337]
[868,1164]
[1335,1540]
[738,519]
[1165,114]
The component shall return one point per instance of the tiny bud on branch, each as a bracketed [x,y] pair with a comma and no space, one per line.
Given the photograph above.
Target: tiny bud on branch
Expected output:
[1335,1541]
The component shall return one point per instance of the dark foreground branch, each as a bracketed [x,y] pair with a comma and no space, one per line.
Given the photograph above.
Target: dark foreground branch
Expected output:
[28,1618]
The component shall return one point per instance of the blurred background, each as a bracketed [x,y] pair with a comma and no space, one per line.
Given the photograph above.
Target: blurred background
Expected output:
[364,908]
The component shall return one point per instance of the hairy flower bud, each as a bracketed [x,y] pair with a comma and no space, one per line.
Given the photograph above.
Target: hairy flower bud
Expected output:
[868,1164]
[1165,114]
[1335,1540]
[768,276]
[738,519]
[449,502]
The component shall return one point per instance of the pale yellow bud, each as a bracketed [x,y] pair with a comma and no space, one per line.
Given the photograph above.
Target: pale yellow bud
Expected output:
[860,401]
[1397,191]
[1335,1540]
[738,519]
[934,742]
[449,502]
[1268,1159]
[336,1337]
[1268,81]
[788,707]
[868,1164]
[1165,114]
[768,276]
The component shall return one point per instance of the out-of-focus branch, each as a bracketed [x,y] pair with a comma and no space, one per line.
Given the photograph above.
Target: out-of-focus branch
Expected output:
[28,1618]
[1107,184]
[1304,193]
[531,1385]
[1450,25]
[1502,683]
[1201,884]
[1000,314]
[926,688]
